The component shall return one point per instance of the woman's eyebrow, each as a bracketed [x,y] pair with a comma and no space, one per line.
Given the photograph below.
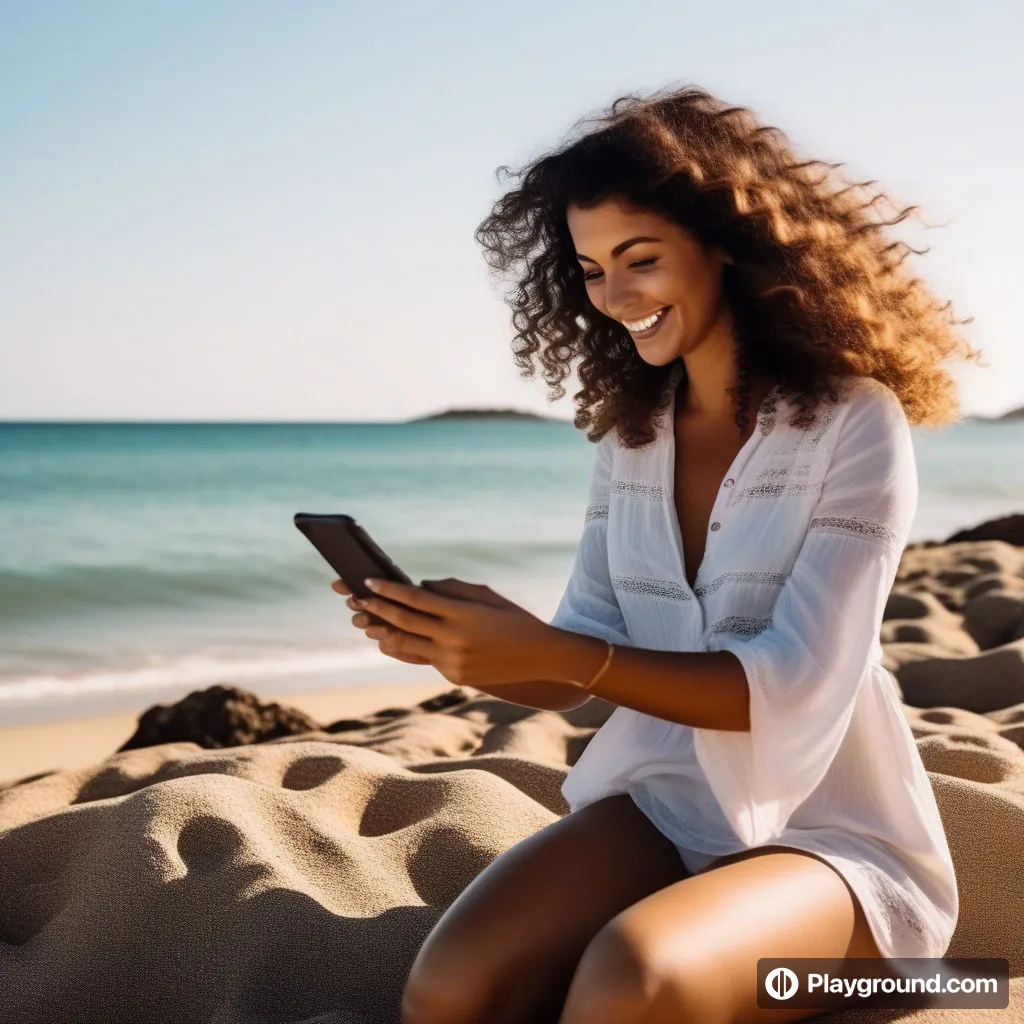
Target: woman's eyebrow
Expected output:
[621,247]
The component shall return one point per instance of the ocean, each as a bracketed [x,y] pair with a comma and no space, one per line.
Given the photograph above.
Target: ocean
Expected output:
[139,562]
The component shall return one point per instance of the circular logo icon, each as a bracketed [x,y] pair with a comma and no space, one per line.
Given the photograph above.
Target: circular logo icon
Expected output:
[782,983]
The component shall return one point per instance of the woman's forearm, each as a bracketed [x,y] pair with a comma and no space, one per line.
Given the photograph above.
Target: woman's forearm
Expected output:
[703,689]
[545,695]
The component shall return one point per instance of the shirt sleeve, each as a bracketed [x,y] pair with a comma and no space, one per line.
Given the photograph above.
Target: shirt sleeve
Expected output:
[589,605]
[805,668]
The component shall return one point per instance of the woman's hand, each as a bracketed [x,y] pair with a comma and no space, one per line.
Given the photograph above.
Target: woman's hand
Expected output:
[470,634]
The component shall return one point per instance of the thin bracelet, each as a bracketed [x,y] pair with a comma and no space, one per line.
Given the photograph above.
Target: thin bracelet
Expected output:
[604,668]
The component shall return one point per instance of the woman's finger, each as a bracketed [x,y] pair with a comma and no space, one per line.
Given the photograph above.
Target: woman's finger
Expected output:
[409,659]
[478,592]
[415,597]
[338,586]
[361,618]
[403,643]
[364,621]
[404,618]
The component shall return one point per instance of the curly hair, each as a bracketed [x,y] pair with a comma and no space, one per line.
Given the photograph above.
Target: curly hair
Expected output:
[816,290]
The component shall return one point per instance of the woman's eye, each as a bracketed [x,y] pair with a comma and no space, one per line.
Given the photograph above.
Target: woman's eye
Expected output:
[595,274]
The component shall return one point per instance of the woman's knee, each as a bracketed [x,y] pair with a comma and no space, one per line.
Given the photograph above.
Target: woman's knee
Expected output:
[453,981]
[437,991]
[618,980]
[613,982]
[452,984]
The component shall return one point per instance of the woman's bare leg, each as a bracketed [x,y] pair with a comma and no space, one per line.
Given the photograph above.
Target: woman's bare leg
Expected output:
[506,949]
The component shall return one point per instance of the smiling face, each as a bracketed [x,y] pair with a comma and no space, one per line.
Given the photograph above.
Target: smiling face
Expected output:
[651,275]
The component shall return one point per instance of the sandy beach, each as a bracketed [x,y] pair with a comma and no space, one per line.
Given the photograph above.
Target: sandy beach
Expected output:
[202,876]
[76,743]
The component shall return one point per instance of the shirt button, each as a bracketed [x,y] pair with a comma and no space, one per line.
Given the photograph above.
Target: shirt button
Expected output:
[715,526]
[729,482]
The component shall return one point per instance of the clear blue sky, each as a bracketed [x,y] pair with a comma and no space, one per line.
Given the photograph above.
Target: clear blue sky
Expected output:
[227,210]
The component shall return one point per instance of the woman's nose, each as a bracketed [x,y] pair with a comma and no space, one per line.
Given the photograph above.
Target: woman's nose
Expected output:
[621,298]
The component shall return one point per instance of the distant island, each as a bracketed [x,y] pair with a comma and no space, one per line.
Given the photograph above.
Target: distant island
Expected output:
[516,414]
[486,414]
[1013,414]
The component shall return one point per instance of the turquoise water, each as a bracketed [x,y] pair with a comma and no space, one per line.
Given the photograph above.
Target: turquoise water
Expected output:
[138,562]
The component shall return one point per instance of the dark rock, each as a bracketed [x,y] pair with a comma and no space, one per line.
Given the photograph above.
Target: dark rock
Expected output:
[1009,529]
[219,716]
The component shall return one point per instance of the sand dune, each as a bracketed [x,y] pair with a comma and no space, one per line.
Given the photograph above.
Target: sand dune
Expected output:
[294,879]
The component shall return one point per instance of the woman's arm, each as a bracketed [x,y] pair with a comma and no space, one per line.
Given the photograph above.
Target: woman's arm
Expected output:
[545,695]
[703,689]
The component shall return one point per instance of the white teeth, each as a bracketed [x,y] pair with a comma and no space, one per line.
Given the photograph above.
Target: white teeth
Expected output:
[638,326]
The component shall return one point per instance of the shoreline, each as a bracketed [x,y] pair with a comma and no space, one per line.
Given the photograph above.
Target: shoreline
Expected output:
[68,744]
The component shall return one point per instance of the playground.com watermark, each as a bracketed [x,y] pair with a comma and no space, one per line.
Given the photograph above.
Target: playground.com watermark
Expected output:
[969,983]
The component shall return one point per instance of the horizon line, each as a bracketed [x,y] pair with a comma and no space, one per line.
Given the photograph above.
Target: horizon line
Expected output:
[245,423]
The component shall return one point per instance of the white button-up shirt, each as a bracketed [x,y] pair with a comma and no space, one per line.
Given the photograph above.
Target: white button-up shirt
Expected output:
[804,541]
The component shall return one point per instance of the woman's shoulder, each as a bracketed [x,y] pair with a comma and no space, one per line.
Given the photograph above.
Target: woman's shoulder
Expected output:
[862,413]
[860,401]
[871,404]
[866,390]
[872,425]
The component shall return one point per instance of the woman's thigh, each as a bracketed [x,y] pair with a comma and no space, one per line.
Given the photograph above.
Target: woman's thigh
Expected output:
[507,947]
[689,952]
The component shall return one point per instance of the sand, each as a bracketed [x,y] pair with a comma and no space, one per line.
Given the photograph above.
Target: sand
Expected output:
[295,879]
[76,743]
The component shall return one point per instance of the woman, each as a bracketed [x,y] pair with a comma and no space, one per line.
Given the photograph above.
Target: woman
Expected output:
[752,353]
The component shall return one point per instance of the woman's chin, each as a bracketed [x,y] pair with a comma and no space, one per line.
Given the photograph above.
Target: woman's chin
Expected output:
[658,354]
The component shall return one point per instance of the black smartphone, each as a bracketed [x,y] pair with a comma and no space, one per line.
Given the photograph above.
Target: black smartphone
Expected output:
[349,550]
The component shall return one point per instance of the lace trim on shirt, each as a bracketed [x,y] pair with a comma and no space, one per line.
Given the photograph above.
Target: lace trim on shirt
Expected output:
[638,490]
[742,625]
[813,436]
[652,587]
[827,420]
[857,527]
[754,576]
[595,512]
[899,906]
[758,491]
[783,471]
[766,417]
